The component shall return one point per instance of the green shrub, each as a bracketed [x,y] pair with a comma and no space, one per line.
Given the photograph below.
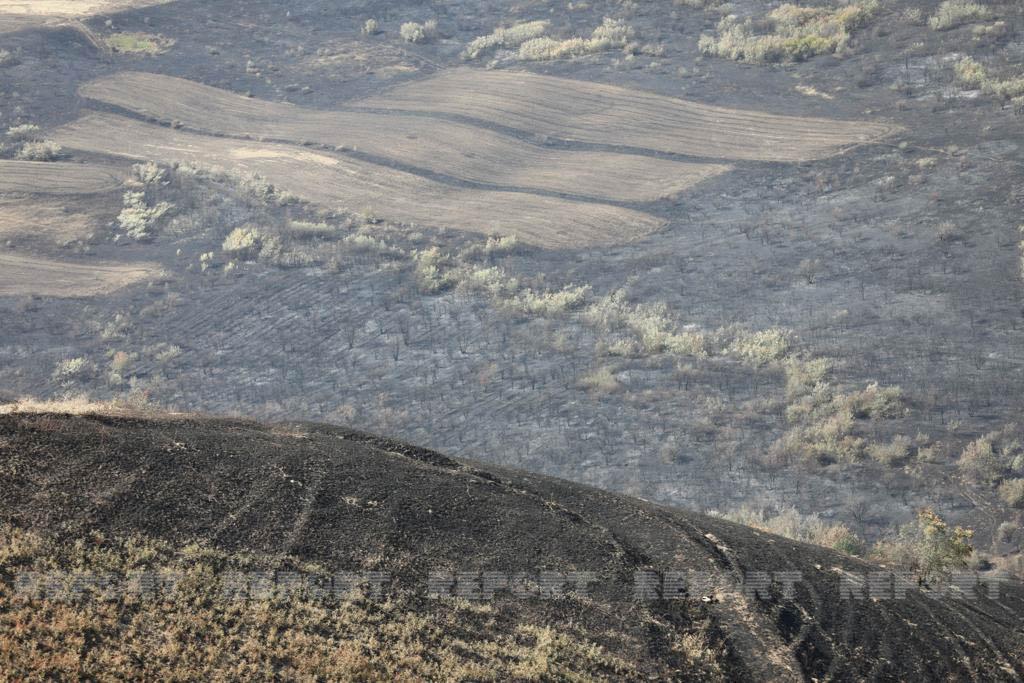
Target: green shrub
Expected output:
[24,132]
[971,73]
[790,523]
[413,32]
[787,33]
[1012,492]
[137,219]
[891,453]
[42,150]
[611,34]
[243,243]
[953,13]
[139,43]
[510,37]
[928,545]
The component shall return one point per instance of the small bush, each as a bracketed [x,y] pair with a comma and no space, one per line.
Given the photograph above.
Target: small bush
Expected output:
[72,369]
[137,219]
[891,453]
[243,243]
[953,13]
[7,59]
[990,457]
[44,150]
[370,27]
[413,32]
[149,173]
[600,381]
[1012,492]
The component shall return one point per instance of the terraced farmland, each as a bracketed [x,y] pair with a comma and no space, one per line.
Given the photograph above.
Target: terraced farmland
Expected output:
[24,275]
[610,115]
[56,178]
[453,149]
[343,182]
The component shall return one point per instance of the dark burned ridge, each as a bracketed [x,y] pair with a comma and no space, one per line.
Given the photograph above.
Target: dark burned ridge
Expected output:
[335,497]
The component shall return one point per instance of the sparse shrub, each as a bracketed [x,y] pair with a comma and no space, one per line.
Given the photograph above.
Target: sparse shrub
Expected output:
[244,242]
[953,13]
[431,271]
[304,230]
[762,347]
[7,59]
[803,375]
[550,303]
[990,457]
[1012,492]
[790,523]
[601,381]
[370,27]
[891,453]
[947,231]
[42,150]
[809,269]
[72,369]
[875,402]
[24,133]
[971,73]
[611,34]
[928,546]
[787,33]
[510,37]
[137,219]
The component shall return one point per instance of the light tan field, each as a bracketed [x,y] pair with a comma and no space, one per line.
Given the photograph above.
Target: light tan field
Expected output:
[453,149]
[38,177]
[342,182]
[70,8]
[610,115]
[22,275]
[45,220]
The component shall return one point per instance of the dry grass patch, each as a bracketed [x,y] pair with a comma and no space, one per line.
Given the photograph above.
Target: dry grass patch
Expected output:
[453,149]
[605,114]
[22,275]
[342,182]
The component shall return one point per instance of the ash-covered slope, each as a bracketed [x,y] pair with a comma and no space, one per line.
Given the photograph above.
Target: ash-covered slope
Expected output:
[347,501]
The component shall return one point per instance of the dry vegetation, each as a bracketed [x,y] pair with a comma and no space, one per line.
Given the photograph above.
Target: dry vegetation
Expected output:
[953,13]
[342,182]
[605,114]
[447,148]
[198,631]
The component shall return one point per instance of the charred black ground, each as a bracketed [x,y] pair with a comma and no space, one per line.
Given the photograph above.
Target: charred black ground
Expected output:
[347,500]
